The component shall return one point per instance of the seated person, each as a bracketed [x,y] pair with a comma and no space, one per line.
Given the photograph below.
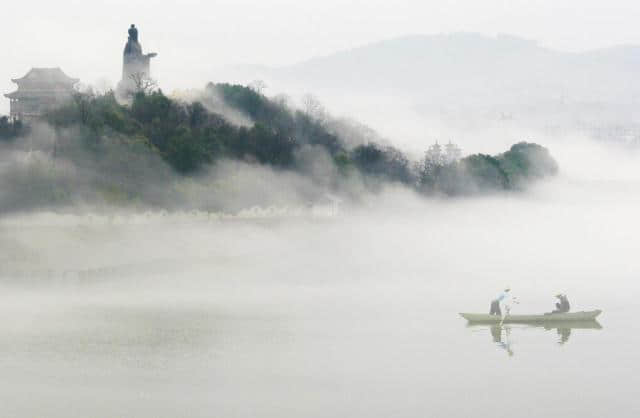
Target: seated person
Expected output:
[563,305]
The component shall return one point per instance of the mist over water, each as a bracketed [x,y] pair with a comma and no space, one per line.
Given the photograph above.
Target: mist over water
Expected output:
[316,312]
[242,289]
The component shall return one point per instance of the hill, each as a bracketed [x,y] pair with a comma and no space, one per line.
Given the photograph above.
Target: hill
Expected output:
[488,69]
[471,79]
[165,152]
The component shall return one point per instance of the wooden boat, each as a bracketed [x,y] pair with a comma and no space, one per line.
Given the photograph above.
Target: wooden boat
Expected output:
[589,324]
[548,317]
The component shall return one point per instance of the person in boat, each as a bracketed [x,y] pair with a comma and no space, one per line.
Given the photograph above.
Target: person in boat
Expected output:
[562,306]
[503,300]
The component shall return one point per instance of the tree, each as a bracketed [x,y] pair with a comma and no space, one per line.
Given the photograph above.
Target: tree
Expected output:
[314,108]
[83,105]
[258,86]
[388,162]
[451,153]
[482,173]
[430,166]
[434,155]
[185,152]
[526,161]
[282,100]
[438,170]
[142,83]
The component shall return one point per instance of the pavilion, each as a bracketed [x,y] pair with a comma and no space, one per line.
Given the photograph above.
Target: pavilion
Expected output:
[39,91]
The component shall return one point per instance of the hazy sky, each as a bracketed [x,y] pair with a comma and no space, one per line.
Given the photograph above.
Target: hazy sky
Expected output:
[193,37]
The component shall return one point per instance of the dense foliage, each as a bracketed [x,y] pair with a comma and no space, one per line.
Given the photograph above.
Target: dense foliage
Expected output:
[480,173]
[11,129]
[189,136]
[119,147]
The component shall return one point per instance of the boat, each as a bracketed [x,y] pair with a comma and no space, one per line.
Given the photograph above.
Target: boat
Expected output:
[557,325]
[543,318]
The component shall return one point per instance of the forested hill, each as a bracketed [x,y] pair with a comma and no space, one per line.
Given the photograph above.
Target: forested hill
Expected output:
[116,143]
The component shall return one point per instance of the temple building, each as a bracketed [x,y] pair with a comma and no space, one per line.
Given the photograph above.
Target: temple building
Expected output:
[135,65]
[40,91]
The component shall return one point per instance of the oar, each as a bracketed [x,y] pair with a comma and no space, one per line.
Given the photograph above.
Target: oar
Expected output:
[504,316]
[508,309]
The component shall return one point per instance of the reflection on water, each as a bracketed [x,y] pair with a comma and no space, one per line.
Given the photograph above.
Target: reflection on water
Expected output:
[198,320]
[502,334]
[496,333]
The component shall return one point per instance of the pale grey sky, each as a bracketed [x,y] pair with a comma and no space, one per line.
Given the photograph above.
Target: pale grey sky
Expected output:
[193,37]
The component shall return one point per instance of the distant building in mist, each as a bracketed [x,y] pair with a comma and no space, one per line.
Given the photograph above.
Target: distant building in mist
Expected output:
[135,66]
[39,91]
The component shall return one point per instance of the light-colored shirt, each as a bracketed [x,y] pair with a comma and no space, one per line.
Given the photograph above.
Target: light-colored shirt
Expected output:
[506,299]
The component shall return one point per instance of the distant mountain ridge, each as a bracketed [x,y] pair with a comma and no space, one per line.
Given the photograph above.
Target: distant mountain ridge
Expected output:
[469,68]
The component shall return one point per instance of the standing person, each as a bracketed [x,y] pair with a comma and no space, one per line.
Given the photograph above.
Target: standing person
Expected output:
[503,298]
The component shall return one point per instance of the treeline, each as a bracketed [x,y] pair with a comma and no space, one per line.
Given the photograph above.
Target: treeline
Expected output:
[188,136]
[191,136]
[445,172]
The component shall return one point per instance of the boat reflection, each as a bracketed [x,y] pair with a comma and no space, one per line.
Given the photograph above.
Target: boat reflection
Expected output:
[496,333]
[501,334]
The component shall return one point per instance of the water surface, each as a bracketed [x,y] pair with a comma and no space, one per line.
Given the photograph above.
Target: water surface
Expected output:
[160,315]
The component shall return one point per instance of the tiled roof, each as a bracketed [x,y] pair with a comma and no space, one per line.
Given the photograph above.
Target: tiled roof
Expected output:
[46,75]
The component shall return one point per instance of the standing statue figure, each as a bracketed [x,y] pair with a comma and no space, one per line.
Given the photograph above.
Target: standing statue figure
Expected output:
[133,33]
[135,66]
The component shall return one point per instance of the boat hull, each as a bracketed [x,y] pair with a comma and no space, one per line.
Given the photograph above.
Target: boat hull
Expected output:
[589,324]
[557,317]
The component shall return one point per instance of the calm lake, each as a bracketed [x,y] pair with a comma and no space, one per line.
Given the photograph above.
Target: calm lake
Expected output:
[352,315]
